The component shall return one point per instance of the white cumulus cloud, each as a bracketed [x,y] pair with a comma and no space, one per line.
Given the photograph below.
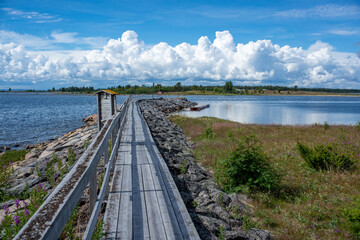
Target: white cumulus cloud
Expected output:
[129,59]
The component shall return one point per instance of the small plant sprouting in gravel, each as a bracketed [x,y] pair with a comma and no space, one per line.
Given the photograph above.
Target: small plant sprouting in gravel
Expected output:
[86,143]
[222,232]
[71,156]
[221,198]
[194,203]
[183,167]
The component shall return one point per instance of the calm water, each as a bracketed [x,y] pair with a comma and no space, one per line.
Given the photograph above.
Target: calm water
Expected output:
[285,110]
[27,118]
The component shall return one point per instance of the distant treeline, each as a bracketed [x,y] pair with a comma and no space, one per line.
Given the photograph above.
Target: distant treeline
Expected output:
[178,87]
[74,89]
[227,88]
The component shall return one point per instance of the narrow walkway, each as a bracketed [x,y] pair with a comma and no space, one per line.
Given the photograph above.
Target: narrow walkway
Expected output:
[144,202]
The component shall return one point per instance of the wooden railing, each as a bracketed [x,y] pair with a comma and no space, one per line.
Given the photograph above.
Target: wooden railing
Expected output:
[49,220]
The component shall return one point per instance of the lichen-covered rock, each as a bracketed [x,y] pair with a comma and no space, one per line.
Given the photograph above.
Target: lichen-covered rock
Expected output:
[208,205]
[258,234]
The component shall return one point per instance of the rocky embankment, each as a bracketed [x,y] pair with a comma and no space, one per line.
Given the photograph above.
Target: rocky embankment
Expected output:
[211,209]
[46,163]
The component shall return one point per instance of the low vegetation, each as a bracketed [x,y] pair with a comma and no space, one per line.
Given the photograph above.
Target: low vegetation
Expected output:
[247,165]
[303,181]
[12,156]
[13,222]
[6,169]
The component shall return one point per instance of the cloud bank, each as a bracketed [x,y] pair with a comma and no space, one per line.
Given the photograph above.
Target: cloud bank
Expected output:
[130,60]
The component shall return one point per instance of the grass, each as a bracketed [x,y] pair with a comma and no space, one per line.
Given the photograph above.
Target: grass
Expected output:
[309,204]
[12,156]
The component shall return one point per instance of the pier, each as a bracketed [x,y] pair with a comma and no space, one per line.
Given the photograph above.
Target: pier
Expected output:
[199,108]
[142,200]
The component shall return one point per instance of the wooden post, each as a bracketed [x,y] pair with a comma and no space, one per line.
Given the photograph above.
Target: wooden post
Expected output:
[93,191]
[112,105]
[100,125]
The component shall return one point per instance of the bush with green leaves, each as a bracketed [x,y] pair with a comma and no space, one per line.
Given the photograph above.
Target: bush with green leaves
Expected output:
[209,133]
[247,165]
[326,157]
[352,214]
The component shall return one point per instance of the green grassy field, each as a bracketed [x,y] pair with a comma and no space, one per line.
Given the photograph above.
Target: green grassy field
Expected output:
[308,204]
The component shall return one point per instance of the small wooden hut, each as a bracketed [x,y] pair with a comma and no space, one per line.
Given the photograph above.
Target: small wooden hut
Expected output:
[106,105]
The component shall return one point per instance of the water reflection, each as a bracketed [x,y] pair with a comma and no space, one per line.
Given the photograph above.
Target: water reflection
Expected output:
[288,111]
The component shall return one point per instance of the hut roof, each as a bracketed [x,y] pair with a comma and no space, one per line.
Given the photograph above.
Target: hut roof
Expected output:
[107,91]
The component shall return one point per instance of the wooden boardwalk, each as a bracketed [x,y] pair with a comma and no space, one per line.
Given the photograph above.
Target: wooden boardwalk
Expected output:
[144,202]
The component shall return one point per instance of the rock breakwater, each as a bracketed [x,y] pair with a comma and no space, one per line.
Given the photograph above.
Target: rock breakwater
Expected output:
[209,206]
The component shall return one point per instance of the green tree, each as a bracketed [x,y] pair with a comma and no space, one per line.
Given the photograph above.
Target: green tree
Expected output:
[9,89]
[228,88]
[178,87]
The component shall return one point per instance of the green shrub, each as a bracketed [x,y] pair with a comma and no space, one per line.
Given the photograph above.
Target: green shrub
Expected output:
[325,157]
[326,125]
[209,133]
[352,214]
[247,165]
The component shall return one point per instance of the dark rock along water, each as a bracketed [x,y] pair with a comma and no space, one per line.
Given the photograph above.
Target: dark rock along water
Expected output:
[28,118]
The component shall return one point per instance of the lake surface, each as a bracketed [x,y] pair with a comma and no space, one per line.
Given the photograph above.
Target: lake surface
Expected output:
[27,118]
[285,110]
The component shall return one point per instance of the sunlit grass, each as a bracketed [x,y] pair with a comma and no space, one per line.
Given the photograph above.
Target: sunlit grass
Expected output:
[309,204]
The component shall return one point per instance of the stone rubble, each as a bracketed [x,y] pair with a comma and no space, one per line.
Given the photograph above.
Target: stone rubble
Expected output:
[32,170]
[209,206]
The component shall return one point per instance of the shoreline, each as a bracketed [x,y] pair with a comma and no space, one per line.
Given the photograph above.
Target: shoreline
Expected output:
[189,93]
[86,122]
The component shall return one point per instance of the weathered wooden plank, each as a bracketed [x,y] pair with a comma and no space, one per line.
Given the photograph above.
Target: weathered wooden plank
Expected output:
[124,230]
[141,155]
[186,225]
[112,207]
[156,225]
[171,224]
[141,226]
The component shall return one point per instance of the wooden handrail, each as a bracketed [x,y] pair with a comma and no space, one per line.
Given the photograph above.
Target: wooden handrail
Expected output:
[51,217]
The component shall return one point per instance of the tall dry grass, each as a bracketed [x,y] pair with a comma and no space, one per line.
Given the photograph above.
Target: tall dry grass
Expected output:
[309,204]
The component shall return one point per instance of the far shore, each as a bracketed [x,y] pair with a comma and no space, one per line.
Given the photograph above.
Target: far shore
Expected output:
[212,93]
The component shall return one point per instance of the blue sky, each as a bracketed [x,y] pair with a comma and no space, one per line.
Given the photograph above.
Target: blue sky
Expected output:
[67,29]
